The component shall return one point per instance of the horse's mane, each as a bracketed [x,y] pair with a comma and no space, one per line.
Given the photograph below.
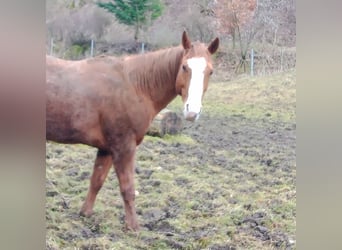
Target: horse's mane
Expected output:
[154,70]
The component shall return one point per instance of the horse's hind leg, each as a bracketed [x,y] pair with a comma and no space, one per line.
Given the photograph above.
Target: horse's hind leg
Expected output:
[124,167]
[102,165]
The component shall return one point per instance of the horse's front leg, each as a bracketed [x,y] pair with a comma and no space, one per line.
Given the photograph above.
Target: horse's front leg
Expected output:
[124,167]
[102,165]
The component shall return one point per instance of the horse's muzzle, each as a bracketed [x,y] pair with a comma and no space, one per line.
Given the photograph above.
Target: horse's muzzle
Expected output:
[191,113]
[191,116]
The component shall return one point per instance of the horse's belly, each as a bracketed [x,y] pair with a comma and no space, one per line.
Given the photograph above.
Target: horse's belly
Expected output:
[66,127]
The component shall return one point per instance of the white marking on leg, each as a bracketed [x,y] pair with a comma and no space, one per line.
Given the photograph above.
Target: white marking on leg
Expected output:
[194,101]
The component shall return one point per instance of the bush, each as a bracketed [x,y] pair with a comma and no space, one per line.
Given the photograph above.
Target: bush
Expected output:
[76,52]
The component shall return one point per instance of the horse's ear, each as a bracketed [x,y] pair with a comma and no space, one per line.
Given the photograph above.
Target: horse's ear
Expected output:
[186,40]
[213,46]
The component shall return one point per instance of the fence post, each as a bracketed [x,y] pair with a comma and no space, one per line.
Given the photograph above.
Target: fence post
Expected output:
[252,62]
[142,48]
[92,48]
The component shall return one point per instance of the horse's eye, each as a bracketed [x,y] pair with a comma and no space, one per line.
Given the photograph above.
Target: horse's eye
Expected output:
[211,72]
[184,68]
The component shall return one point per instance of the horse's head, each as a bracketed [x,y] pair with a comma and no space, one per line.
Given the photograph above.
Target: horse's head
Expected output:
[193,75]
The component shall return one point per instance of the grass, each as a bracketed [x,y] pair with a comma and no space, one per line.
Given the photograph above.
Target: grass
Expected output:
[255,98]
[226,181]
[178,138]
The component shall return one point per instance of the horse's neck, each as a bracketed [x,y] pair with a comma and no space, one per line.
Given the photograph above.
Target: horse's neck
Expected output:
[154,75]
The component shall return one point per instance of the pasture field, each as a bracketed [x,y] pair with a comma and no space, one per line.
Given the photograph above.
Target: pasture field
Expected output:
[228,181]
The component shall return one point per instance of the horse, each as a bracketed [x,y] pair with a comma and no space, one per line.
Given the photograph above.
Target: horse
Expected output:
[109,102]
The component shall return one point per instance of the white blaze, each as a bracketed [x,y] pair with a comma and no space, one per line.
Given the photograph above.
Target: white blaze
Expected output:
[194,101]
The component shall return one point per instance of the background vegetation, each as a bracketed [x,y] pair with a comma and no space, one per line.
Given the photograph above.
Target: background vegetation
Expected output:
[136,13]
[267,26]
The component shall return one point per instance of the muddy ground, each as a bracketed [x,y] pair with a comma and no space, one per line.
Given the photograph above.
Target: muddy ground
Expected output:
[226,182]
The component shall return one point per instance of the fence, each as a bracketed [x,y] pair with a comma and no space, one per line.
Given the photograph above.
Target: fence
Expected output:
[276,60]
[89,50]
[230,63]
[257,62]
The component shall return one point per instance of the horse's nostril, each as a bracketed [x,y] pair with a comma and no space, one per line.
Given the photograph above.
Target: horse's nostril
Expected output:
[191,116]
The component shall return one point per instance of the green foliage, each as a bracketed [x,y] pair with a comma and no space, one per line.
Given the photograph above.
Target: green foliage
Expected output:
[75,4]
[135,13]
[76,51]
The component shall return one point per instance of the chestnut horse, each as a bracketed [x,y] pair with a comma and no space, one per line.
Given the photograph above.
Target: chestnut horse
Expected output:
[109,103]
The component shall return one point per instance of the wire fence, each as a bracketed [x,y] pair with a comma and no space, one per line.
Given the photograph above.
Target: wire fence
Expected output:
[86,50]
[256,61]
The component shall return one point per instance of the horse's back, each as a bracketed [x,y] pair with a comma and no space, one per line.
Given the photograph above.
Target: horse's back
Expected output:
[85,98]
[72,102]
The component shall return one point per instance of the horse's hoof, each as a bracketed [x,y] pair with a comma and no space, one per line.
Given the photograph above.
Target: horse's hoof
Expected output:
[86,213]
[132,228]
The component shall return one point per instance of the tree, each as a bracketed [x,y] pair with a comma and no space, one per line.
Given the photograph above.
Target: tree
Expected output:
[235,19]
[265,24]
[233,15]
[136,13]
[277,19]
